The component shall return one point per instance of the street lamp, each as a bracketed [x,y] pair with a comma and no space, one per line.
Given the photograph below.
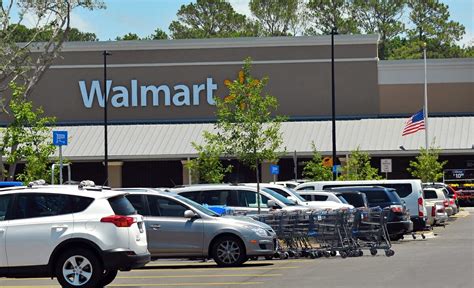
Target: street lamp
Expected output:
[333,90]
[106,156]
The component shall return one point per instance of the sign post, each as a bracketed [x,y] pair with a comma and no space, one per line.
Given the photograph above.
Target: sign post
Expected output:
[60,139]
[386,166]
[274,170]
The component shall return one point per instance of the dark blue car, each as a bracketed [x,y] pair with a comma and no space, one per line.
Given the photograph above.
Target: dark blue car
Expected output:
[398,220]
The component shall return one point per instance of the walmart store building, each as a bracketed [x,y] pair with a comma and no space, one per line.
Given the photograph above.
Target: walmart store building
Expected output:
[161,99]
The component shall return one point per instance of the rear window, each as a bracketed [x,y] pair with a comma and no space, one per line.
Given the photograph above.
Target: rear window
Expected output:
[355,200]
[377,196]
[193,196]
[403,190]
[80,204]
[430,194]
[320,197]
[121,206]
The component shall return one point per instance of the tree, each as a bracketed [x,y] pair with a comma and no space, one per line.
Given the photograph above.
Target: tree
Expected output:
[17,61]
[276,17]
[127,37]
[247,128]
[207,165]
[158,35]
[358,167]
[26,138]
[431,25]
[24,34]
[382,17]
[329,14]
[315,169]
[209,19]
[52,24]
[427,167]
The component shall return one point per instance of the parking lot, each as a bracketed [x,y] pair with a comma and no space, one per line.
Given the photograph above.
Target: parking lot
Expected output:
[444,259]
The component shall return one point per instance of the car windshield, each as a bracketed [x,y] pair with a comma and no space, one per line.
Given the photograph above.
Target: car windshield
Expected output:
[280,198]
[288,192]
[342,199]
[196,206]
[296,195]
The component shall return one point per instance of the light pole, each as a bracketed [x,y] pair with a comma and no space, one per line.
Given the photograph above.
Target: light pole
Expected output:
[106,101]
[426,100]
[333,91]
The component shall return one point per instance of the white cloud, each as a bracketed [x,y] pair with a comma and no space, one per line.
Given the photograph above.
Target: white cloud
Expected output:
[468,39]
[241,6]
[80,23]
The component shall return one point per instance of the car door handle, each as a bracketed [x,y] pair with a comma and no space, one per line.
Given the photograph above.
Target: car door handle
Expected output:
[2,230]
[59,227]
[155,226]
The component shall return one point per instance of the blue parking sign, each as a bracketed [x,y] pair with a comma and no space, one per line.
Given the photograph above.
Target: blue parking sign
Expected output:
[274,169]
[59,138]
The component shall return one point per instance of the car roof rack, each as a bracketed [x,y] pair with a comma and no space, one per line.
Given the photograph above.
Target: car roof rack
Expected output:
[39,182]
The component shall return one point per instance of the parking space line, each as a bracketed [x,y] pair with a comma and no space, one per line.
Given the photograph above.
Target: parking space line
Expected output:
[198,276]
[154,269]
[161,285]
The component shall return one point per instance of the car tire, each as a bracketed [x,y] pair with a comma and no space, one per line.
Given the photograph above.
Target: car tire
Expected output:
[396,237]
[78,268]
[108,277]
[229,251]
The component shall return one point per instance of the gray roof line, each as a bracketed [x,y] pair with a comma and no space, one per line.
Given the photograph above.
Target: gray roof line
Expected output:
[218,43]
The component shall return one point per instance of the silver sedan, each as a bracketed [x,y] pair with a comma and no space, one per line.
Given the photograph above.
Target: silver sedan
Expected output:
[180,228]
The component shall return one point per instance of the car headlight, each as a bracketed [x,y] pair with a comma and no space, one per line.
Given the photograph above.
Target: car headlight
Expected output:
[259,231]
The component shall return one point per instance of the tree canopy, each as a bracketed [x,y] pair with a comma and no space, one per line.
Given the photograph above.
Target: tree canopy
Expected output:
[209,19]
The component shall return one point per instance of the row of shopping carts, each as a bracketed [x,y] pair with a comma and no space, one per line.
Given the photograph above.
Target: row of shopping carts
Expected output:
[314,234]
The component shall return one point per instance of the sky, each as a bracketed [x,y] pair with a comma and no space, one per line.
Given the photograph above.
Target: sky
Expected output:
[144,16]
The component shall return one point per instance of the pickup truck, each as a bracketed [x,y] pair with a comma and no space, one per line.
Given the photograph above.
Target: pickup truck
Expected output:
[437,195]
[436,214]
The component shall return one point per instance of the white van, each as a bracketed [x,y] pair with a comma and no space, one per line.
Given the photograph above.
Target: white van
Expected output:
[409,190]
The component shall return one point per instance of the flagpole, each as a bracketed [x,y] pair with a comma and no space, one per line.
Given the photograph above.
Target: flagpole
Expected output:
[426,100]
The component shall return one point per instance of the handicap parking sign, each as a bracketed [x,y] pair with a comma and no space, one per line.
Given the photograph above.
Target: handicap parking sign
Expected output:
[59,138]
[274,169]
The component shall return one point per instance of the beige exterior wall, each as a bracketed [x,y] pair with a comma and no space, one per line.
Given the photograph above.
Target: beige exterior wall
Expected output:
[442,98]
[299,72]
[115,174]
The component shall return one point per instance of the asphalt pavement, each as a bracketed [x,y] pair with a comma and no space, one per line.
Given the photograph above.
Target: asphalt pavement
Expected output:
[445,258]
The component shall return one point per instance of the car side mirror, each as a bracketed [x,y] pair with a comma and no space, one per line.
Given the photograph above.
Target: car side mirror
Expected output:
[189,214]
[291,198]
[272,204]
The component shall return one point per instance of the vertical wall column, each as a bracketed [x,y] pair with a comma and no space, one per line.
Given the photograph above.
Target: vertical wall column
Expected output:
[187,176]
[115,174]
[265,172]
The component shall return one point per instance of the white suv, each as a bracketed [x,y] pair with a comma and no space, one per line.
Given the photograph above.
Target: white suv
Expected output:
[80,234]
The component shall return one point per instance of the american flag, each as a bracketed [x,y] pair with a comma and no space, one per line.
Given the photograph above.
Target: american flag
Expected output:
[415,123]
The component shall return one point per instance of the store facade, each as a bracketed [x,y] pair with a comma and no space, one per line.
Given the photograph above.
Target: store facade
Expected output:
[173,83]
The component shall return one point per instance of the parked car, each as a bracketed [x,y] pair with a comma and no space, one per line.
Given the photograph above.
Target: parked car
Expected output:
[355,198]
[321,196]
[289,184]
[449,193]
[437,214]
[398,219]
[241,199]
[79,234]
[298,199]
[409,190]
[437,195]
[181,228]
